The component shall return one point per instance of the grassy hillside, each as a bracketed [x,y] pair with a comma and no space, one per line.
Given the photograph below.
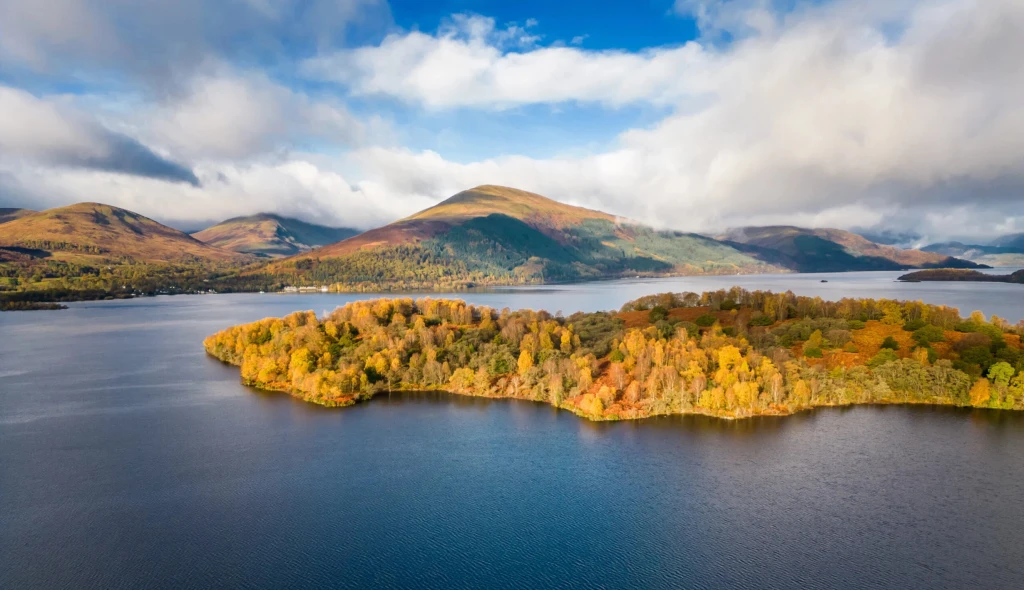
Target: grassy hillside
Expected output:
[271,235]
[831,250]
[91,232]
[10,214]
[498,235]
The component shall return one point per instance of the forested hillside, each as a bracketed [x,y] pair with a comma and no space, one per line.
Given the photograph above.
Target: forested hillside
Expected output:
[728,353]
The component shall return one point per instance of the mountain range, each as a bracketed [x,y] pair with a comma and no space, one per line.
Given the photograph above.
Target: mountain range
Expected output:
[499,235]
[93,233]
[489,235]
[1006,250]
[270,235]
[831,250]
[493,234]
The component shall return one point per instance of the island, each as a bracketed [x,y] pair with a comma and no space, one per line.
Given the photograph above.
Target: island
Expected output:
[956,274]
[15,305]
[729,353]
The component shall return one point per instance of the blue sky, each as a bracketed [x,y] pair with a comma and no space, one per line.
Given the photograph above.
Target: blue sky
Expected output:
[690,114]
[605,25]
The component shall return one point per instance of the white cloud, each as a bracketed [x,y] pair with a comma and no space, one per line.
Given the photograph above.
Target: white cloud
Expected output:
[842,113]
[52,131]
[466,64]
[226,115]
[163,39]
[829,116]
[292,187]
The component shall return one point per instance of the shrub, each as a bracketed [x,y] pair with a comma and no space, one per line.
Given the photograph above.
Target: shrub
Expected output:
[706,320]
[657,314]
[890,343]
[972,340]
[928,334]
[978,355]
[616,356]
[761,320]
[851,347]
[692,329]
[813,352]
[665,329]
[728,305]
[884,356]
[912,325]
[730,331]
[973,371]
[857,324]
[838,338]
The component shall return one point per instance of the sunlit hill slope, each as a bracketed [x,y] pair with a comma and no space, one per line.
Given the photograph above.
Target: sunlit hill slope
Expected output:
[499,235]
[94,233]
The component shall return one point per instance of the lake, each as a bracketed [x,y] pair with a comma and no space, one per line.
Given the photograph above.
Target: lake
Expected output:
[129,459]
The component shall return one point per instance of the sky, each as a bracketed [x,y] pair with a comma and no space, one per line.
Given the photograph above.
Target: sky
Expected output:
[696,115]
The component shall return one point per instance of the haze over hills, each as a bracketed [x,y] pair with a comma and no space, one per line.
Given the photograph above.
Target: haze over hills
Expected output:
[1015,241]
[11,213]
[94,233]
[1004,251]
[270,235]
[831,250]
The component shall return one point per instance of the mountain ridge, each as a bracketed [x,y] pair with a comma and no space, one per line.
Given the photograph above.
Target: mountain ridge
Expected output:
[12,213]
[499,235]
[271,235]
[831,250]
[94,232]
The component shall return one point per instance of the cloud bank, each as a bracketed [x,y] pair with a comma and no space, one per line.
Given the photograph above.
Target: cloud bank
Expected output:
[901,113]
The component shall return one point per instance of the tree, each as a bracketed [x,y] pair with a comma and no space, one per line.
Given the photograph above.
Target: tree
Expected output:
[618,375]
[1000,373]
[980,393]
[525,362]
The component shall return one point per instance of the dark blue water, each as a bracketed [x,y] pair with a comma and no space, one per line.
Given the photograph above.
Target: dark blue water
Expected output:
[129,459]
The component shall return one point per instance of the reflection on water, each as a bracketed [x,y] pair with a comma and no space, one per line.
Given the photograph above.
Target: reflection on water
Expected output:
[130,459]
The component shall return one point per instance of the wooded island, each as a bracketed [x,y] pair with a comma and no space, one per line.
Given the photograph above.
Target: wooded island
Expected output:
[729,353]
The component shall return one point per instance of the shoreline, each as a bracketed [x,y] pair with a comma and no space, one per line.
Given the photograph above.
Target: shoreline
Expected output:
[572,409]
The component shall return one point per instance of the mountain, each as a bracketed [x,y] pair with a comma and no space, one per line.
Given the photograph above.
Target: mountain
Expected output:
[499,235]
[271,235]
[95,233]
[1008,255]
[1015,241]
[889,237]
[10,214]
[831,250]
